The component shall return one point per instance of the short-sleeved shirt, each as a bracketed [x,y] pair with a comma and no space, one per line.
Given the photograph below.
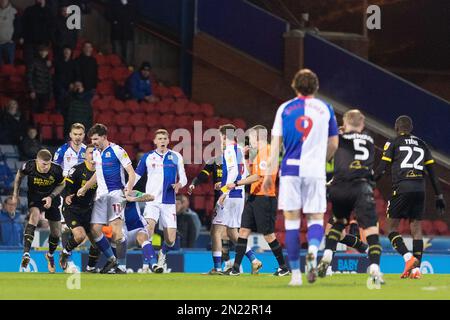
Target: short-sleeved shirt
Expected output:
[408,156]
[212,167]
[41,185]
[259,167]
[233,169]
[109,166]
[305,124]
[354,158]
[67,157]
[77,178]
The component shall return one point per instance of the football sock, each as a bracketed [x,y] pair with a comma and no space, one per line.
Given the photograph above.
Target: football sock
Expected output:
[398,244]
[250,254]
[70,245]
[225,250]
[149,253]
[374,249]
[28,237]
[315,235]
[104,246]
[293,243]
[418,249]
[217,259]
[278,253]
[52,244]
[241,246]
[121,250]
[353,241]
[334,235]
[94,254]
[166,247]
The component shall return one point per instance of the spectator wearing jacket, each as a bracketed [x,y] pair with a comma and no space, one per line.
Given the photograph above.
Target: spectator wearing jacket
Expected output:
[40,80]
[123,20]
[11,224]
[63,78]
[8,16]
[139,86]
[12,124]
[64,37]
[185,226]
[86,70]
[38,24]
[30,145]
[77,108]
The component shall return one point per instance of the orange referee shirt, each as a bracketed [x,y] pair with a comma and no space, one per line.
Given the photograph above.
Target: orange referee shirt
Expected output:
[259,167]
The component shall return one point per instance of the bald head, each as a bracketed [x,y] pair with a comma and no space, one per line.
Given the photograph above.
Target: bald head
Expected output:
[403,125]
[353,120]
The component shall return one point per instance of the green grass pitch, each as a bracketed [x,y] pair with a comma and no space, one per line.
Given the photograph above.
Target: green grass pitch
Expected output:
[197,286]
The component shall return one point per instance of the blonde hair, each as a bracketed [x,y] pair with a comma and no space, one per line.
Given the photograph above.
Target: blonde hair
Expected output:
[354,118]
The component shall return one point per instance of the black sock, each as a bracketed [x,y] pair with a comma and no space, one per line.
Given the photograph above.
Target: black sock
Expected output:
[94,254]
[418,249]
[65,238]
[52,244]
[397,243]
[241,246]
[278,253]
[71,244]
[28,237]
[353,241]
[334,235]
[374,248]
[225,250]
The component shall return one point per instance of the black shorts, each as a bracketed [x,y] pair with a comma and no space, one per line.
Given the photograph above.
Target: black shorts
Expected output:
[354,195]
[408,205]
[77,217]
[259,214]
[51,214]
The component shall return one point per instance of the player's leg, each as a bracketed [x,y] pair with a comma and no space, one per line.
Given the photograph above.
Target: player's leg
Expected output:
[398,208]
[169,224]
[54,218]
[314,205]
[290,201]
[78,236]
[416,232]
[218,228]
[94,254]
[116,216]
[151,215]
[241,246]
[98,220]
[28,237]
[148,253]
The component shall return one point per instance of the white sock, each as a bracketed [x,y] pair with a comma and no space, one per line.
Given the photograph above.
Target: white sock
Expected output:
[313,250]
[374,268]
[407,256]
[296,272]
[327,255]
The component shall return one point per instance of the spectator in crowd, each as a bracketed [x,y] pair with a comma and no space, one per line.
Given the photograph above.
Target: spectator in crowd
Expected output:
[139,86]
[77,108]
[86,70]
[11,224]
[40,80]
[123,19]
[12,124]
[64,37]
[30,145]
[185,203]
[185,226]
[8,19]
[63,78]
[38,28]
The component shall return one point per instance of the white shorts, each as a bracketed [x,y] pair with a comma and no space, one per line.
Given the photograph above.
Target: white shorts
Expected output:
[132,237]
[167,213]
[109,207]
[230,214]
[304,193]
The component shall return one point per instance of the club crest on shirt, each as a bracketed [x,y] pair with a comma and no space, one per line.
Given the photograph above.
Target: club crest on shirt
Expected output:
[108,155]
[83,155]
[386,146]
[170,157]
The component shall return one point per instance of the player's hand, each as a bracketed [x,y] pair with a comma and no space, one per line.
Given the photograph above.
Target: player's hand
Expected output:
[267,183]
[217,185]
[176,187]
[231,186]
[190,189]
[221,200]
[47,202]
[81,192]
[440,204]
[68,199]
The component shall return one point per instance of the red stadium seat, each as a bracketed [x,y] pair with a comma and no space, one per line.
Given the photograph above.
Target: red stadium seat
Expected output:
[114,60]
[223,121]
[107,117]
[138,119]
[177,92]
[240,123]
[168,119]
[199,202]
[194,108]
[7,70]
[208,110]
[41,118]
[427,227]
[118,105]
[129,148]
[46,132]
[147,107]
[104,72]
[121,119]
[113,133]
[441,227]
[404,227]
[126,130]
[101,59]
[139,136]
[152,120]
[132,106]
[105,88]
[120,73]
[56,119]
[21,70]
[145,146]
[162,92]
[60,133]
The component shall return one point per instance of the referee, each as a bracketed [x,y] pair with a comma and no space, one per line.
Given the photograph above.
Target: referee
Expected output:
[261,207]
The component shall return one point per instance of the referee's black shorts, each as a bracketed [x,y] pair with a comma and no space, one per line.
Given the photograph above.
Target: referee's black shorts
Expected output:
[408,205]
[259,214]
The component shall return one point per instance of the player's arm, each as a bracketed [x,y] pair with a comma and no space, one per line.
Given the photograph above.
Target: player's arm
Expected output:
[386,160]
[249,180]
[333,135]
[125,161]
[55,193]
[70,189]
[139,197]
[59,156]
[273,162]
[141,169]
[89,184]
[131,179]
[17,181]
[182,179]
[429,165]
[202,177]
